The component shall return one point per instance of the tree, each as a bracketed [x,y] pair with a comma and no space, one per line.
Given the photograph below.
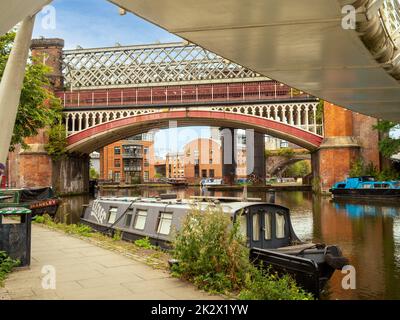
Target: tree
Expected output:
[38,107]
[298,169]
[388,146]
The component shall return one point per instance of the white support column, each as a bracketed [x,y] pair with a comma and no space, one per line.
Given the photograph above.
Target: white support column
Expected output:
[73,122]
[291,115]
[87,120]
[315,118]
[11,84]
[298,116]
[307,110]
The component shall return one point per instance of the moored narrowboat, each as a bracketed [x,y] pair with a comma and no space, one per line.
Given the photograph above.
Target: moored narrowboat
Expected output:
[38,200]
[366,187]
[266,226]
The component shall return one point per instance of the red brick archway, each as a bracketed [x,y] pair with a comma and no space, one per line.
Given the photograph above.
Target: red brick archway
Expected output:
[90,139]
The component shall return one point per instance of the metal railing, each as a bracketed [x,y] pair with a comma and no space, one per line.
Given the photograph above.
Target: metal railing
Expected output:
[230,92]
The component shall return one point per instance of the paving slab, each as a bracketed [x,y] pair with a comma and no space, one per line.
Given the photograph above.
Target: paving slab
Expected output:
[84,271]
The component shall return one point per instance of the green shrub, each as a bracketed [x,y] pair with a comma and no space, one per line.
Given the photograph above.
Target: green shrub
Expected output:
[211,253]
[79,229]
[6,266]
[267,286]
[117,236]
[144,243]
[39,219]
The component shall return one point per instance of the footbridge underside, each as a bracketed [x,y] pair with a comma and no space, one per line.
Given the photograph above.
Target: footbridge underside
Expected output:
[311,45]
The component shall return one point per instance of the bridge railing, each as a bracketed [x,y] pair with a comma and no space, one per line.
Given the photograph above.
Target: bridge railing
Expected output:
[230,92]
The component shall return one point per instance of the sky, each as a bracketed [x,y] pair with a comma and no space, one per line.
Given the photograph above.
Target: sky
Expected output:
[97,23]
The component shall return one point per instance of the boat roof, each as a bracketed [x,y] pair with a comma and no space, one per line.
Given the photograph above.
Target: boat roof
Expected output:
[233,206]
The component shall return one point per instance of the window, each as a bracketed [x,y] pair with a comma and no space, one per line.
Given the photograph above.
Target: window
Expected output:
[280,225]
[385,186]
[117,150]
[267,226]
[284,144]
[128,220]
[117,163]
[211,161]
[112,215]
[378,186]
[341,186]
[164,224]
[212,174]
[256,227]
[366,186]
[140,219]
[146,150]
[146,163]
[117,176]
[146,176]
[204,173]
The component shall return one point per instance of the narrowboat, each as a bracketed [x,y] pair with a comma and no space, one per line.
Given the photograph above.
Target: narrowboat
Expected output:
[210,182]
[38,200]
[366,187]
[267,228]
[177,182]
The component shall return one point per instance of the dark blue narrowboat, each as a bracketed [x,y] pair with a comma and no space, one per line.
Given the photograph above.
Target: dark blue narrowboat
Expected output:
[366,187]
[266,226]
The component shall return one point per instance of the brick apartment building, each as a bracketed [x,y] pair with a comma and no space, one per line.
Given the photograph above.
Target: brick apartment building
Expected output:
[128,161]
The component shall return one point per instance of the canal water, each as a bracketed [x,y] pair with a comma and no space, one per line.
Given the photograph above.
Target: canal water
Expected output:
[368,234]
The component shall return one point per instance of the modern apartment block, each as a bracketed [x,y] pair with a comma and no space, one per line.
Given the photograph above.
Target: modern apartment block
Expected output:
[127,161]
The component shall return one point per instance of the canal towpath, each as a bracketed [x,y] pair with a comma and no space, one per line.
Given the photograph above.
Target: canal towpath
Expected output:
[66,267]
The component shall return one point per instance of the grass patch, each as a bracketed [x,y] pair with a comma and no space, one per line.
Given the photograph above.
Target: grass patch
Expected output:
[77,229]
[6,266]
[144,243]
[213,255]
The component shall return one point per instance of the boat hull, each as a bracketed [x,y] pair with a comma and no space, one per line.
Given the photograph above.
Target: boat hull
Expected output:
[391,194]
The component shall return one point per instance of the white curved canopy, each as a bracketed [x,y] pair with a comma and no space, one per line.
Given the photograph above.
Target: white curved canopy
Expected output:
[300,43]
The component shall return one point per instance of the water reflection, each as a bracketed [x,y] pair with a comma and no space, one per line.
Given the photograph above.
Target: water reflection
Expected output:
[368,234]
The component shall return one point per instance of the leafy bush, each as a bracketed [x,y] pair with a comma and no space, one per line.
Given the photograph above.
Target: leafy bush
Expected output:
[6,266]
[144,243]
[211,253]
[359,169]
[117,236]
[267,286]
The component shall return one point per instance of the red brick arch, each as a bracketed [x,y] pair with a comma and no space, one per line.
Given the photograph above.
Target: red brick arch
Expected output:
[90,139]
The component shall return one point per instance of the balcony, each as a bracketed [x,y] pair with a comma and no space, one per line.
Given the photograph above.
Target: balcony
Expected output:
[133,169]
[133,155]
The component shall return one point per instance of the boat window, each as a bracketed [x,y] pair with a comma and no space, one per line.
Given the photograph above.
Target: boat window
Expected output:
[256,227]
[164,223]
[280,224]
[267,226]
[367,186]
[112,214]
[385,186]
[140,219]
[243,225]
[128,220]
[378,185]
[341,186]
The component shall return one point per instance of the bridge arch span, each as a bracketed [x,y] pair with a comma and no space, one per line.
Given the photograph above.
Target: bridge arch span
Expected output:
[90,139]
